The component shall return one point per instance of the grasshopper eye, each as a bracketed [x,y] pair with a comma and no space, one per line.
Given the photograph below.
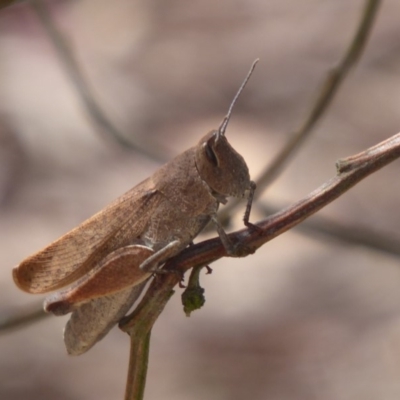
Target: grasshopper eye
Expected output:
[211,156]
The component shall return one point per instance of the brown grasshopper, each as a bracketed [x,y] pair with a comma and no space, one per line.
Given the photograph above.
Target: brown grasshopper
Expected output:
[105,261]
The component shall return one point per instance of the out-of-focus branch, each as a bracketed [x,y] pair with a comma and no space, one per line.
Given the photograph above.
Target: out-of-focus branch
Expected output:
[18,318]
[345,233]
[350,171]
[6,3]
[73,70]
[324,98]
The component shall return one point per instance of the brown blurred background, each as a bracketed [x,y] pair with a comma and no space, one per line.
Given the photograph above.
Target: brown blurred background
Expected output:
[304,318]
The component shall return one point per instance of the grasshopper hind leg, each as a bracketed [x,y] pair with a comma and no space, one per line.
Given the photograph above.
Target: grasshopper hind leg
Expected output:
[117,271]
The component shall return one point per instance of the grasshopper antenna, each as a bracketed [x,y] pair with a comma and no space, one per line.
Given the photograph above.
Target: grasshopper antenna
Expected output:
[224,124]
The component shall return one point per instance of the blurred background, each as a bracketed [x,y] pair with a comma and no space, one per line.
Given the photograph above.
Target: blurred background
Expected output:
[306,317]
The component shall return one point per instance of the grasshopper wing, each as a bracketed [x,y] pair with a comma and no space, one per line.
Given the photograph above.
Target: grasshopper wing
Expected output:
[78,251]
[90,322]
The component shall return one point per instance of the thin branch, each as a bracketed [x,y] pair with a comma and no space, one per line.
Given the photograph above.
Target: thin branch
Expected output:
[141,321]
[73,70]
[324,98]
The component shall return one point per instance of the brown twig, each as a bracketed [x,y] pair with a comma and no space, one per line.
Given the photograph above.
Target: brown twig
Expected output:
[155,299]
[73,70]
[324,98]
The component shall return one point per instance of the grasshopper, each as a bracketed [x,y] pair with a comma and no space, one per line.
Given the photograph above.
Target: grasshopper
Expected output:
[104,263]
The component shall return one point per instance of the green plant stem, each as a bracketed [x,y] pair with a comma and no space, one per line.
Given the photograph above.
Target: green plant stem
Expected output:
[138,362]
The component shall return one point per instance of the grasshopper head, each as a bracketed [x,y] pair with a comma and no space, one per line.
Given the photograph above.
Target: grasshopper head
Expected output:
[221,166]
